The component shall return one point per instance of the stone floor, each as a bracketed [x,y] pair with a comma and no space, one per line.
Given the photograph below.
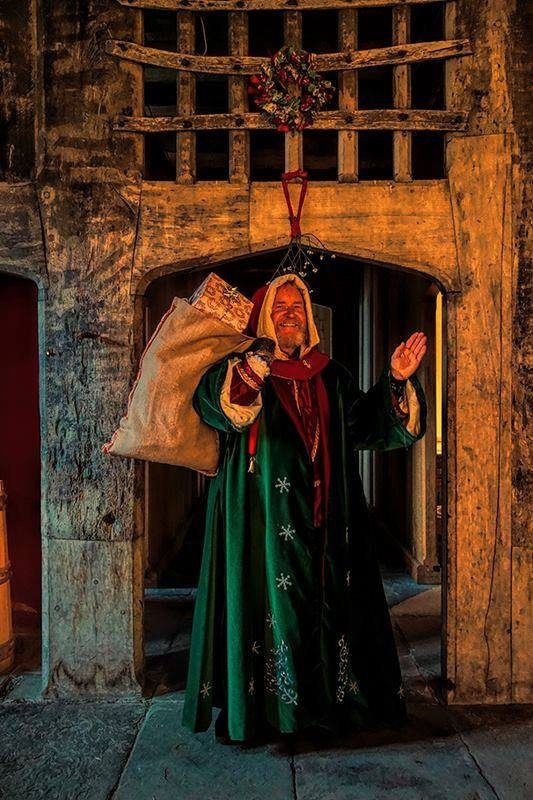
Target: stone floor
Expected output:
[137,750]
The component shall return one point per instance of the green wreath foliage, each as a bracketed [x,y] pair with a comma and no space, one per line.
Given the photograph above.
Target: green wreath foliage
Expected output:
[271,89]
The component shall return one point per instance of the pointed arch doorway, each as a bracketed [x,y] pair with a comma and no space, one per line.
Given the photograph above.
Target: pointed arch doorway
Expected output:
[20,462]
[373,307]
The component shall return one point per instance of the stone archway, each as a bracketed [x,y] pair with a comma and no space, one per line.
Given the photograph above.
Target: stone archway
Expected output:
[161,506]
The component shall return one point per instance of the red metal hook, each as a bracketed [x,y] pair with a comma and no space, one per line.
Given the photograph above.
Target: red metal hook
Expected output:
[298,175]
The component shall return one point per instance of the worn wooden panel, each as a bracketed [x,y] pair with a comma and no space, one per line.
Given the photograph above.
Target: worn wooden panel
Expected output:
[481,493]
[91,604]
[522,625]
[199,224]
[206,222]
[21,239]
[379,221]
[90,238]
[189,225]
[248,65]
[401,119]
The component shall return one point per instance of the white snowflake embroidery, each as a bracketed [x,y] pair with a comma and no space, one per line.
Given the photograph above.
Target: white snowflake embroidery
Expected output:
[251,686]
[205,690]
[286,532]
[278,677]
[346,534]
[354,687]
[283,581]
[283,485]
[255,647]
[271,619]
[342,675]
[401,692]
[348,577]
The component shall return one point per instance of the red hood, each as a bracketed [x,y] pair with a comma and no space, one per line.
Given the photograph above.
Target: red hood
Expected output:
[257,300]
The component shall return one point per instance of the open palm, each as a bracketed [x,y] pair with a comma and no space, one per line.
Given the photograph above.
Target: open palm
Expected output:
[407,357]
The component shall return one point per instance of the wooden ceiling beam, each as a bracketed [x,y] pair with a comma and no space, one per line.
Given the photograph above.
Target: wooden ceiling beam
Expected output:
[376,119]
[324,62]
[264,5]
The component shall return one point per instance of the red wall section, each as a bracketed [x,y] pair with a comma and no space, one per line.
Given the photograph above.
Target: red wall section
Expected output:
[19,434]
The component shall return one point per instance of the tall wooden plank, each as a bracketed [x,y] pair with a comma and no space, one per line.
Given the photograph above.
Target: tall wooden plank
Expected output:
[239,140]
[481,494]
[186,142]
[348,140]
[294,139]
[401,96]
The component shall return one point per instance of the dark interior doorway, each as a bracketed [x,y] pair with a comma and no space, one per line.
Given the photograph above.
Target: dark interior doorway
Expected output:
[20,460]
[372,309]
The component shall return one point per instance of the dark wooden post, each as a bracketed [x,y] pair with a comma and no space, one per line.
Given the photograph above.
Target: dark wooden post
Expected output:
[348,140]
[239,140]
[401,96]
[186,142]
[294,139]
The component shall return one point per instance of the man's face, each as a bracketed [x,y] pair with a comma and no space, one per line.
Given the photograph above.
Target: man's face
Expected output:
[289,318]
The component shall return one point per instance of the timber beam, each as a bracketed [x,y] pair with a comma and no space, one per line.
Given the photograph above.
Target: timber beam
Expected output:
[264,5]
[375,119]
[324,62]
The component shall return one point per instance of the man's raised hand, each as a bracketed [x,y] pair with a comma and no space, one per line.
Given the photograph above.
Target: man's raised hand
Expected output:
[407,357]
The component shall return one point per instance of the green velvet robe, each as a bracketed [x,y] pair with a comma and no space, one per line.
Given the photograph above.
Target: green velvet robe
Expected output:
[268,640]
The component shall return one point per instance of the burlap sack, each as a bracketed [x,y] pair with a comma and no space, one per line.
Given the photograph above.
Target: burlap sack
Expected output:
[160,423]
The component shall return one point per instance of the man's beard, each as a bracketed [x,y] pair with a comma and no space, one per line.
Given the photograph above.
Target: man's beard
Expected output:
[290,339]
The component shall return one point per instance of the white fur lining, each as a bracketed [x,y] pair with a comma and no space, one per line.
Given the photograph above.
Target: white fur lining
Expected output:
[240,416]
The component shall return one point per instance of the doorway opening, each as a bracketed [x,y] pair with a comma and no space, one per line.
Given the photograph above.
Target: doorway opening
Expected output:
[20,469]
[363,312]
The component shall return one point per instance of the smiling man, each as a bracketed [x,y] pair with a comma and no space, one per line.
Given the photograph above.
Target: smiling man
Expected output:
[289,318]
[291,627]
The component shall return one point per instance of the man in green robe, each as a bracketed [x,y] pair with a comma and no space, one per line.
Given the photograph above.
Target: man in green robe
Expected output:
[291,627]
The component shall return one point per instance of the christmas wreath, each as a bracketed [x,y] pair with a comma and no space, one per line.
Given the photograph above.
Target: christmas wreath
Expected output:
[271,89]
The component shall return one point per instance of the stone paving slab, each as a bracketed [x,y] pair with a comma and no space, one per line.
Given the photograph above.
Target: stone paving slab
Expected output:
[424,604]
[399,586]
[501,742]
[170,763]
[64,750]
[430,769]
[24,687]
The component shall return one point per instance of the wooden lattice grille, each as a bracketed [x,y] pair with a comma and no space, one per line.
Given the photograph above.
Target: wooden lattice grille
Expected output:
[402,121]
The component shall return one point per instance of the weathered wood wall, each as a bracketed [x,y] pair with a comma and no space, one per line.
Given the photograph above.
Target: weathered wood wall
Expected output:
[77,218]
